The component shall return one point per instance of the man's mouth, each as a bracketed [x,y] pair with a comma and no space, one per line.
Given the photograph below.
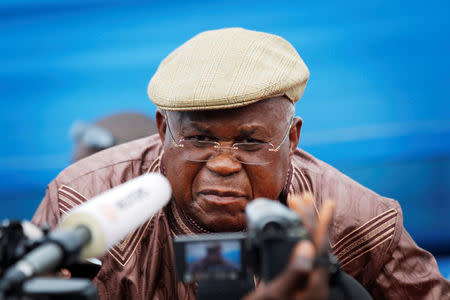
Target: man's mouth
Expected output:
[223,196]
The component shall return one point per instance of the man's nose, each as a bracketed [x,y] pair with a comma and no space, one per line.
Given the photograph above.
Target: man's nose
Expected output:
[224,165]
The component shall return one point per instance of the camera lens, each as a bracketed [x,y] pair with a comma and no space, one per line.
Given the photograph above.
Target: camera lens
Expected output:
[273,229]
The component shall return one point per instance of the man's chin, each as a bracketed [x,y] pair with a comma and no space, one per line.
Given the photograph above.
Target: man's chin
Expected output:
[218,217]
[223,224]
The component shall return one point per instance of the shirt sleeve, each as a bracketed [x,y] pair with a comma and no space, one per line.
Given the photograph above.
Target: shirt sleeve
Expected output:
[409,272]
[47,212]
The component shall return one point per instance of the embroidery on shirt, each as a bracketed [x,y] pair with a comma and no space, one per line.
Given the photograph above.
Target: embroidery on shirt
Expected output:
[156,165]
[302,185]
[123,251]
[68,198]
[179,222]
[367,237]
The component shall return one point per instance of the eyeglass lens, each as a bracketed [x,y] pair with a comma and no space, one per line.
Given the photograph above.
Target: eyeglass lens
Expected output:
[248,153]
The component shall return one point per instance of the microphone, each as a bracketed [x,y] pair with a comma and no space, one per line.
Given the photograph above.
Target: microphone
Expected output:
[114,214]
[92,228]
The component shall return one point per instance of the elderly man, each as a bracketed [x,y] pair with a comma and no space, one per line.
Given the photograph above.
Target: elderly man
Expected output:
[227,135]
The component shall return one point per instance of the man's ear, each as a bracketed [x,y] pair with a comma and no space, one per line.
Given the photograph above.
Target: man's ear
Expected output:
[294,134]
[161,125]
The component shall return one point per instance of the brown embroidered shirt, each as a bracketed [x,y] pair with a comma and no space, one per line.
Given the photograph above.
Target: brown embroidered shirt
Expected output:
[367,234]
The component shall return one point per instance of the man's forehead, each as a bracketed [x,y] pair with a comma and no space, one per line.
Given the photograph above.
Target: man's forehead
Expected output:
[262,112]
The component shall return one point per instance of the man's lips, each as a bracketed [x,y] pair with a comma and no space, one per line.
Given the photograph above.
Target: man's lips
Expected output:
[223,196]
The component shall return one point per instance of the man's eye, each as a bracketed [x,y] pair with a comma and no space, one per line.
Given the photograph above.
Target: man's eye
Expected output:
[250,147]
[250,140]
[201,138]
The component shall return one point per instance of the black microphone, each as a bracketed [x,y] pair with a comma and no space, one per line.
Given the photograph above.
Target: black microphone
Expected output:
[59,248]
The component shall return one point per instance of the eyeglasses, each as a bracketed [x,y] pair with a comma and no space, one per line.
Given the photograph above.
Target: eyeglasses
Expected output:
[203,149]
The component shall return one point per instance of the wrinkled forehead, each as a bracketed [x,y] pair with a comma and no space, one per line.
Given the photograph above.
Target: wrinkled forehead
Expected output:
[268,113]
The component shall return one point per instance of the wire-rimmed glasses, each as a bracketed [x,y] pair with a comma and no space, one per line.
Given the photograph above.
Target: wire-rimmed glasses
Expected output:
[198,149]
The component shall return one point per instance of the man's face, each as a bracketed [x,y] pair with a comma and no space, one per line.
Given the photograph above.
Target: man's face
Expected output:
[215,193]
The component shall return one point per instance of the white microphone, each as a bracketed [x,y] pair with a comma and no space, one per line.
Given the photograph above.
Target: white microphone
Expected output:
[92,228]
[114,214]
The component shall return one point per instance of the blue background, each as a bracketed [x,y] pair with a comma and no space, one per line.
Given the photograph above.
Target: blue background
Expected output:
[376,106]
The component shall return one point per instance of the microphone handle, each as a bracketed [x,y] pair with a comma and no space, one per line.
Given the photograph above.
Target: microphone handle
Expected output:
[60,248]
[71,241]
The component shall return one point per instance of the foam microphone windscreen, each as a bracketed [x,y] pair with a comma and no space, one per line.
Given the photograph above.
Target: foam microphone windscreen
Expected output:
[114,214]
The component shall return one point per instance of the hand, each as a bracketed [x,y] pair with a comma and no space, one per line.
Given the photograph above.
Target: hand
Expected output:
[301,266]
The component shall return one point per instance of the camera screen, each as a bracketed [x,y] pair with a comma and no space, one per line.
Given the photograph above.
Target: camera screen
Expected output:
[213,259]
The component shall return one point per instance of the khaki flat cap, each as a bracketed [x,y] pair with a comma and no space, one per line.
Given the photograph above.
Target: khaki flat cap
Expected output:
[228,68]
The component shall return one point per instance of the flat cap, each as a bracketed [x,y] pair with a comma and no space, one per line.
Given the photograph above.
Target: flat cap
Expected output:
[228,68]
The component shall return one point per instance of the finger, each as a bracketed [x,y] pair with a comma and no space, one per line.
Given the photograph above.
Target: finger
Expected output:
[293,202]
[299,268]
[315,282]
[308,199]
[301,203]
[321,234]
[303,258]
[304,206]
[309,216]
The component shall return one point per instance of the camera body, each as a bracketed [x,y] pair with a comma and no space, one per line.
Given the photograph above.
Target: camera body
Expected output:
[264,250]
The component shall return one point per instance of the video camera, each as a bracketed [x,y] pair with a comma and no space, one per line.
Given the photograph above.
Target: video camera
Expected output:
[224,263]
[265,249]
